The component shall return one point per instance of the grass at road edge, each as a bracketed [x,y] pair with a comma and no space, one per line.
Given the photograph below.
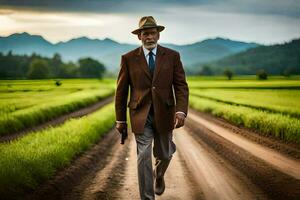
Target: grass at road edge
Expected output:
[30,117]
[277,125]
[32,159]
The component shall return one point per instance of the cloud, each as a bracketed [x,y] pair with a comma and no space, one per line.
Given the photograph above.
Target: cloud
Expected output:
[186,21]
[289,8]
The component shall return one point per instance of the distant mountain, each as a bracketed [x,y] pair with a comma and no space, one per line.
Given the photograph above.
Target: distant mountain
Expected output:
[109,52]
[208,50]
[25,44]
[274,59]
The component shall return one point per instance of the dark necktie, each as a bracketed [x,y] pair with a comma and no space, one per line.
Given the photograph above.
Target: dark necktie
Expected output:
[151,62]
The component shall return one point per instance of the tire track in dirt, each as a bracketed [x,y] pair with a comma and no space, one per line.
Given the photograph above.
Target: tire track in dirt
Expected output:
[276,184]
[214,176]
[82,179]
[281,162]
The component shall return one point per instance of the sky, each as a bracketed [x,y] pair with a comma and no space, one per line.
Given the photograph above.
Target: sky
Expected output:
[186,21]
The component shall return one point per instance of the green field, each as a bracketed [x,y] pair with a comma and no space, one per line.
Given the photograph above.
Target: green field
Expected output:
[27,162]
[24,104]
[30,160]
[270,106]
[276,100]
[244,82]
[273,100]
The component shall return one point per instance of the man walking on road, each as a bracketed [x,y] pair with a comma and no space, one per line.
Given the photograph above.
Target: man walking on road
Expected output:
[158,103]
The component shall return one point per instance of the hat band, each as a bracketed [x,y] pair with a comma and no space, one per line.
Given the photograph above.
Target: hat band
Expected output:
[150,25]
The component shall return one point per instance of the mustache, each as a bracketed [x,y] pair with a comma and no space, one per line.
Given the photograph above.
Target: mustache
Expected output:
[152,42]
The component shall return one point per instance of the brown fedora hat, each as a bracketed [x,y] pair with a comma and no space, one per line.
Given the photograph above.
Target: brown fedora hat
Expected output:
[148,22]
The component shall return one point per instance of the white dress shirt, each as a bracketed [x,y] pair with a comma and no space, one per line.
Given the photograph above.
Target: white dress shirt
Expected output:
[146,53]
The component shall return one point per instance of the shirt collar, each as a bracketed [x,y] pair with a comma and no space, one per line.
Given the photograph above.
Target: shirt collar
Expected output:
[146,51]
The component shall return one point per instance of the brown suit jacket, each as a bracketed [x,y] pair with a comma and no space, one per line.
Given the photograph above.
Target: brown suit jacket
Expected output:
[167,90]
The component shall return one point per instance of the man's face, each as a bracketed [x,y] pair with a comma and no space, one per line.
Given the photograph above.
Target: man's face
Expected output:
[149,37]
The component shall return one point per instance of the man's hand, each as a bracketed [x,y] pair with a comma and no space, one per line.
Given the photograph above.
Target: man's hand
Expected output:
[179,120]
[122,129]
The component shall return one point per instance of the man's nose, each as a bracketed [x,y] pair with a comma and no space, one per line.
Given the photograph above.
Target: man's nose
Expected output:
[150,36]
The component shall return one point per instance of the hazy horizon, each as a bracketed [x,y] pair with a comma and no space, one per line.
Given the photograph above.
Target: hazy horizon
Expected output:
[54,43]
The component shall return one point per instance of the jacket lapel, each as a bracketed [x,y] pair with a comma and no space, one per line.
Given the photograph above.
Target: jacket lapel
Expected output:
[158,61]
[140,57]
[141,60]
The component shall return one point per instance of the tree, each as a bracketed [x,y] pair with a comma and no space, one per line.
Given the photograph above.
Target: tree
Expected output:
[90,68]
[69,70]
[206,70]
[38,69]
[228,73]
[56,65]
[18,66]
[262,74]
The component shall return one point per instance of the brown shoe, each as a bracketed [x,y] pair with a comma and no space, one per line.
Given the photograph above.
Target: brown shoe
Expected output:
[159,185]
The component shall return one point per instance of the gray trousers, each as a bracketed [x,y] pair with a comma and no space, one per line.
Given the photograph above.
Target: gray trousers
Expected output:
[163,149]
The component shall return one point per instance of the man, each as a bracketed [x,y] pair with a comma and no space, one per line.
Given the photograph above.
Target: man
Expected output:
[155,76]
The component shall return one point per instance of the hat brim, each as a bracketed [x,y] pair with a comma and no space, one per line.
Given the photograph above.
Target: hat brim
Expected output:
[159,28]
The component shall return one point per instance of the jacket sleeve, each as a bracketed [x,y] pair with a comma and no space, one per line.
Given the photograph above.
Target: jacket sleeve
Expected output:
[121,93]
[180,86]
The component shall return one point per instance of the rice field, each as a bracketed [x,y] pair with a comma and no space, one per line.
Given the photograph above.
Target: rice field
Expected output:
[272,107]
[25,104]
[27,162]
[244,82]
[278,101]
[33,158]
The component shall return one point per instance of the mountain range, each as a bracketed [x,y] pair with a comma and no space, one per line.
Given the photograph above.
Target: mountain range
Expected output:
[277,59]
[109,51]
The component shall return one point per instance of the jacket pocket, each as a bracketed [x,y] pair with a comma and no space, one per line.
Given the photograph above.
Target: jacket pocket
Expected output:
[133,104]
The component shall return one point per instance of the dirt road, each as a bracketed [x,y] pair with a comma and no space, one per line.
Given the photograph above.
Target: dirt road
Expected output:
[213,161]
[194,173]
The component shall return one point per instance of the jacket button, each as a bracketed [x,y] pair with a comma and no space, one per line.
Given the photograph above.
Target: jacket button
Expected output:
[153,88]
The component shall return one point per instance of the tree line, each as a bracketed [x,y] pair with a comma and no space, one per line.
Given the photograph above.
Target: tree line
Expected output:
[36,66]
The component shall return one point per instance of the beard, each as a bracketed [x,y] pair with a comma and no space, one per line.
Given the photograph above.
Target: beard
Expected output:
[149,45]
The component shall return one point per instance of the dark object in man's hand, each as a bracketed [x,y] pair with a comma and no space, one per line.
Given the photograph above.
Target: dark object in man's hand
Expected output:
[122,129]
[124,136]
